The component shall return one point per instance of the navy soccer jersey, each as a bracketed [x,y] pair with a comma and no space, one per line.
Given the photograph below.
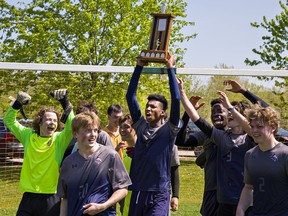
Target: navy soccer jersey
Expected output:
[231,150]
[94,179]
[268,173]
[150,167]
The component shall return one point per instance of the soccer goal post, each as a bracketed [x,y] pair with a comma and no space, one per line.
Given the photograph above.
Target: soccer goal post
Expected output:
[39,79]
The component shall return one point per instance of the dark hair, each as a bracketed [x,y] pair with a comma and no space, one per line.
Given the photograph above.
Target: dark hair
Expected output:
[215,101]
[114,108]
[125,118]
[159,98]
[39,117]
[85,106]
[242,105]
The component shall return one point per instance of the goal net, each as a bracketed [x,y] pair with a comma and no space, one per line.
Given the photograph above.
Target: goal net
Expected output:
[106,85]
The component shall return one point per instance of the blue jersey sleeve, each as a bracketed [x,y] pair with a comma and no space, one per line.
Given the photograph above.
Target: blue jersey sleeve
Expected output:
[254,99]
[132,102]
[175,97]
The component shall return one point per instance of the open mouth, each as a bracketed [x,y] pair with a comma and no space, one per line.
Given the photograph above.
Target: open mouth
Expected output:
[217,119]
[91,140]
[148,115]
[51,127]
[230,119]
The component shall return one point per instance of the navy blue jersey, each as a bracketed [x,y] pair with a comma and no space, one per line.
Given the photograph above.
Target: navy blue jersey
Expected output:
[231,150]
[210,167]
[94,179]
[151,162]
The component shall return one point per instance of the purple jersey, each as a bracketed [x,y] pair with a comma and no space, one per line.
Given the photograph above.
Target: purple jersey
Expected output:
[94,179]
[268,173]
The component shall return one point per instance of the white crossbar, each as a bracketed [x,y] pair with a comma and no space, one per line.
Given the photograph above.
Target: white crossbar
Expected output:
[122,69]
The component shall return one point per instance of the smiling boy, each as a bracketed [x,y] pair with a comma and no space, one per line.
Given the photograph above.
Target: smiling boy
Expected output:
[44,147]
[93,179]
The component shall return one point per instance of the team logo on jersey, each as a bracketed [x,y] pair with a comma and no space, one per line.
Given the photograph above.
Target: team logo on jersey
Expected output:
[274,157]
[98,160]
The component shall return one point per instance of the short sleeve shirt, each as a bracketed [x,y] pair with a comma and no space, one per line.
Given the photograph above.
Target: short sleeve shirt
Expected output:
[268,173]
[94,179]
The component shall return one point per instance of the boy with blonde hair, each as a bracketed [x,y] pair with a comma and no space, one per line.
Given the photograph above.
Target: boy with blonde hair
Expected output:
[93,179]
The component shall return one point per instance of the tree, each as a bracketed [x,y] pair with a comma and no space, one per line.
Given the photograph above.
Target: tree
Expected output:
[274,52]
[89,32]
[275,44]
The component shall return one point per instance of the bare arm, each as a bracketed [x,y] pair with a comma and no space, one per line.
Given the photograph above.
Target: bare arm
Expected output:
[64,207]
[236,115]
[95,208]
[246,200]
[181,136]
[189,108]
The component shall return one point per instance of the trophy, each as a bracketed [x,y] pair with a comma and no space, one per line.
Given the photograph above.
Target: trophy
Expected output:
[159,38]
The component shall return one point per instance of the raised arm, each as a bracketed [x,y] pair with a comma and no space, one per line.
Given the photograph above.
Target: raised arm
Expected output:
[174,91]
[132,102]
[236,115]
[203,125]
[181,136]
[189,108]
[62,96]
[14,126]
[237,88]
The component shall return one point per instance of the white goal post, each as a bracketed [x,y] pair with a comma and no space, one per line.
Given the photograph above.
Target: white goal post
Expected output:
[123,69]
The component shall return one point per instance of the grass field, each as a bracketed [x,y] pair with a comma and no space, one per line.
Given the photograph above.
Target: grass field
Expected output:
[191,189]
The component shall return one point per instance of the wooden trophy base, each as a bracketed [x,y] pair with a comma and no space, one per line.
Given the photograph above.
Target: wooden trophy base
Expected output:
[158,56]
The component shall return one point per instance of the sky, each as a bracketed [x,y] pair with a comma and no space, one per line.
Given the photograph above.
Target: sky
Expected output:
[224,31]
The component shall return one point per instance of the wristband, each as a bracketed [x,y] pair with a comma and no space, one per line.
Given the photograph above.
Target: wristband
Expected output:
[231,109]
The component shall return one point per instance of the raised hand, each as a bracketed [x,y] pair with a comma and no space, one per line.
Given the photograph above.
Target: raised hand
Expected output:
[235,86]
[141,63]
[171,62]
[225,100]
[194,101]
[59,94]
[23,98]
[180,84]
[62,96]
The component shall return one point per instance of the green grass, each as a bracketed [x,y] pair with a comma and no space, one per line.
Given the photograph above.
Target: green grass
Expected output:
[191,189]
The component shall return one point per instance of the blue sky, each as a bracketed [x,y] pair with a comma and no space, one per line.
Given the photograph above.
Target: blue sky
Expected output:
[224,31]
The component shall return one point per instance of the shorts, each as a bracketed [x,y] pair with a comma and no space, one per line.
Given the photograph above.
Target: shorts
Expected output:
[149,203]
[209,204]
[226,210]
[39,204]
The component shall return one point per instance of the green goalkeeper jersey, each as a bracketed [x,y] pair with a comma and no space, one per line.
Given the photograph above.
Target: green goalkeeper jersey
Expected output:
[42,155]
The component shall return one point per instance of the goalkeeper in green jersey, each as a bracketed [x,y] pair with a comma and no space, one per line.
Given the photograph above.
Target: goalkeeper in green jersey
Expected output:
[44,147]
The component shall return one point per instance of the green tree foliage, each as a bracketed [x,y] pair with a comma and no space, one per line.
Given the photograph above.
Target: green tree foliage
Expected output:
[275,44]
[87,32]
[274,52]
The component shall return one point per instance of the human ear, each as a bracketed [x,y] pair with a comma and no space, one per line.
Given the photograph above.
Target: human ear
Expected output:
[75,134]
